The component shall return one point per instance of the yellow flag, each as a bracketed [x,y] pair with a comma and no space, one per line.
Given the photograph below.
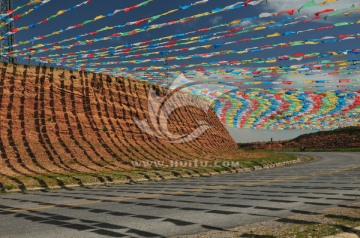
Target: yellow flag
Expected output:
[60,12]
[327,2]
[234,22]
[242,51]
[348,13]
[296,42]
[35,2]
[343,64]
[271,61]
[311,43]
[169,12]
[190,42]
[276,34]
[269,23]
[260,28]
[108,28]
[195,38]
[98,17]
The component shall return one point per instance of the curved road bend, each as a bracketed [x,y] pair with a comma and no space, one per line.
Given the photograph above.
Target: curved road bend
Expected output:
[180,207]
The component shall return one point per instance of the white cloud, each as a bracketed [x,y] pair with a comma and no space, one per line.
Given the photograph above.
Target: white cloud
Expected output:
[281,5]
[216,20]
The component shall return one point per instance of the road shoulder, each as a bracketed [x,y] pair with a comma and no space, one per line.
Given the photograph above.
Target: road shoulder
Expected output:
[334,222]
[153,175]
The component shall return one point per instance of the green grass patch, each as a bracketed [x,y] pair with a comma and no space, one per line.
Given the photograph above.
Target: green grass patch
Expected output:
[313,230]
[253,159]
[355,149]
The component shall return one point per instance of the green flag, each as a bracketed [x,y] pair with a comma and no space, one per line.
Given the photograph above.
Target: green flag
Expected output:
[338,12]
[312,3]
[153,18]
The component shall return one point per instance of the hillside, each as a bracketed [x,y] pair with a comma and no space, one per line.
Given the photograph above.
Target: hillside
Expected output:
[342,138]
[59,121]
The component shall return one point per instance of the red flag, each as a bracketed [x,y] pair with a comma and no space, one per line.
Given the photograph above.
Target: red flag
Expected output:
[130,8]
[290,12]
[142,20]
[324,11]
[17,16]
[247,2]
[299,55]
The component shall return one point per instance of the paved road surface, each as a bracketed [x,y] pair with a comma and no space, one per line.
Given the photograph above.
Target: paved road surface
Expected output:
[181,207]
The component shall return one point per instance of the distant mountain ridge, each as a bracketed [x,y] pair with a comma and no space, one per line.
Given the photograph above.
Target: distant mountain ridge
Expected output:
[342,138]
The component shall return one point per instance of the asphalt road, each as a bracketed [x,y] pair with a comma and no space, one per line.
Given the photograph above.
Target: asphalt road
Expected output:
[189,206]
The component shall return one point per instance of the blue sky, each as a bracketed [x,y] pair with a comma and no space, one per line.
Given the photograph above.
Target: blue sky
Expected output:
[102,7]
